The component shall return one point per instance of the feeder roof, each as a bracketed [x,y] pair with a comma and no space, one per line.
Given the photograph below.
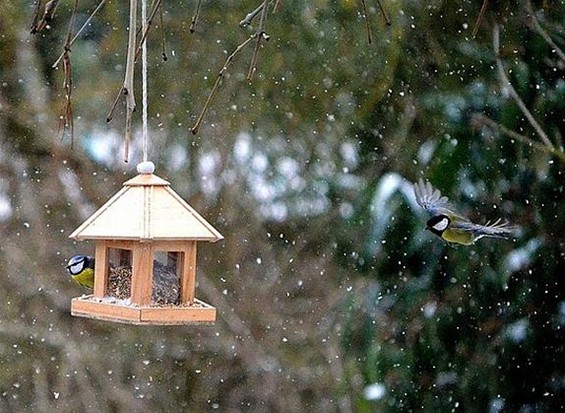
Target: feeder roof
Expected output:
[146,209]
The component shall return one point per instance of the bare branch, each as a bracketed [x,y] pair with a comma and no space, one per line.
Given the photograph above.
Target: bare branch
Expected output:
[129,116]
[128,81]
[260,35]
[130,62]
[48,14]
[480,120]
[66,121]
[123,91]
[367,26]
[366,18]
[156,7]
[229,60]
[110,114]
[505,83]
[163,40]
[35,22]
[250,16]
[194,21]
[480,18]
[383,12]
[534,24]
[71,42]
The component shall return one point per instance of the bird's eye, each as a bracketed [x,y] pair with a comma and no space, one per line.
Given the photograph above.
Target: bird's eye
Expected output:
[441,225]
[76,268]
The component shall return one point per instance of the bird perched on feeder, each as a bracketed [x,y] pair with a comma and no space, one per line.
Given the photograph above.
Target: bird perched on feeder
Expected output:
[449,225]
[166,286]
[81,268]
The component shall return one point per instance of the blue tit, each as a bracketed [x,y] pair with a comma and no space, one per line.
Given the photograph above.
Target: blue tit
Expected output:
[166,286]
[81,268]
[449,225]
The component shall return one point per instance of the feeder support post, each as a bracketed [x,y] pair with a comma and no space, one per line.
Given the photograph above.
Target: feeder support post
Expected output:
[188,273]
[142,274]
[101,269]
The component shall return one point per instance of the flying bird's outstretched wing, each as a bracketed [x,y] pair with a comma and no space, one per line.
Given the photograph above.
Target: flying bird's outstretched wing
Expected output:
[432,201]
[496,229]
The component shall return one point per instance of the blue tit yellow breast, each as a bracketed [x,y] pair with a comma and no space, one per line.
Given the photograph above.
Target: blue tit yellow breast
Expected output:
[85,278]
[458,236]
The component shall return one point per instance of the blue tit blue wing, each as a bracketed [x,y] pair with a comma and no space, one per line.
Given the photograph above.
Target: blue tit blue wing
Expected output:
[431,199]
[496,229]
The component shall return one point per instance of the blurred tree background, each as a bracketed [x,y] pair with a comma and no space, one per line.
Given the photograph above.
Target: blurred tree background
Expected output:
[330,296]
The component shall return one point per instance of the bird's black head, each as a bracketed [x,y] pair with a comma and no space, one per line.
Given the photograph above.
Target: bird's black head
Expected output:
[438,224]
[78,263]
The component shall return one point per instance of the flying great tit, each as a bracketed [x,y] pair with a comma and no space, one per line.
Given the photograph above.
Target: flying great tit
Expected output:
[449,225]
[166,286]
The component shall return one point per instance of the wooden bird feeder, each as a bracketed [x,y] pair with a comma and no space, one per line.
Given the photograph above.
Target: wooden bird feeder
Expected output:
[145,224]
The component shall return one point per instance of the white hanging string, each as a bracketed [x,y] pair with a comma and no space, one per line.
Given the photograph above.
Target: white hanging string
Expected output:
[144,79]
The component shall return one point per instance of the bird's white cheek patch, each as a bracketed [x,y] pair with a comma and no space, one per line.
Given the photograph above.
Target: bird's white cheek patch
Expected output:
[441,225]
[76,268]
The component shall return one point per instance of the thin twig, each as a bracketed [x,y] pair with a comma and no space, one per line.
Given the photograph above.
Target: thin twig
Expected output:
[122,91]
[48,14]
[559,139]
[66,119]
[36,22]
[480,18]
[505,82]
[194,21]
[229,60]
[480,120]
[537,27]
[79,32]
[129,116]
[128,81]
[260,35]
[163,40]
[250,16]
[110,114]
[383,12]
[367,25]
[149,24]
